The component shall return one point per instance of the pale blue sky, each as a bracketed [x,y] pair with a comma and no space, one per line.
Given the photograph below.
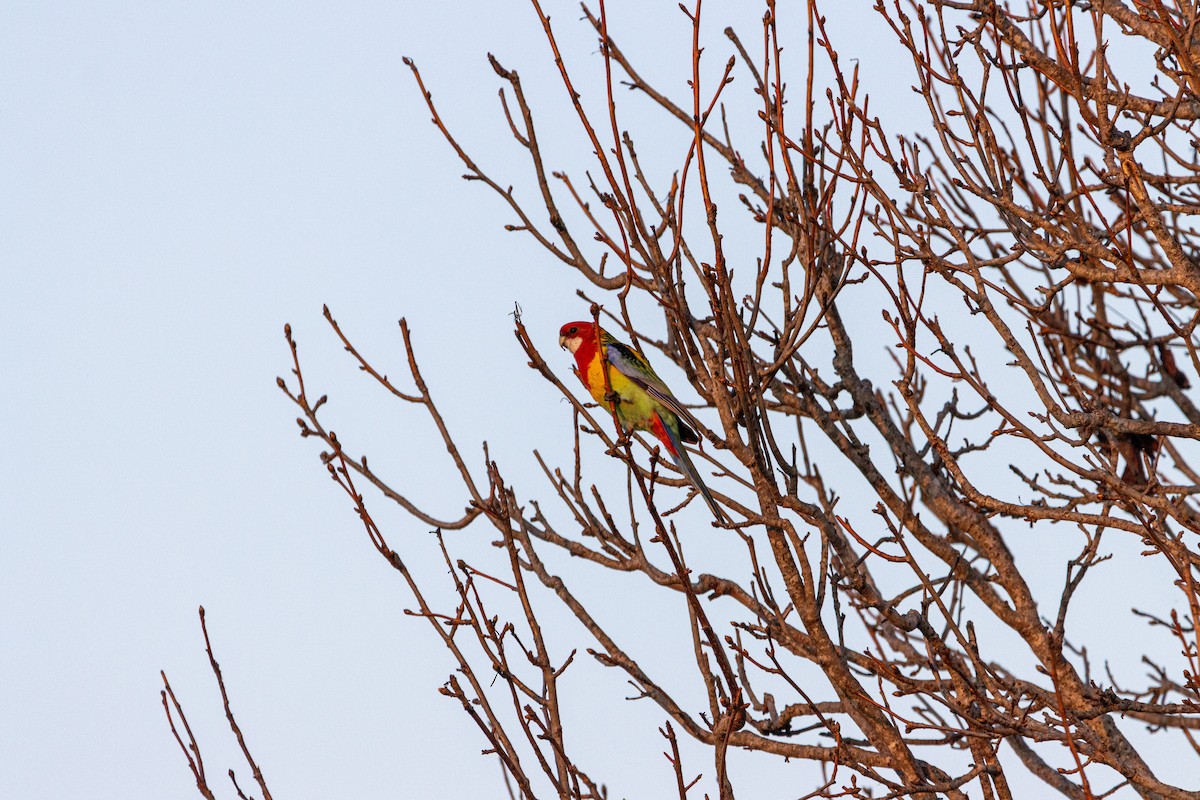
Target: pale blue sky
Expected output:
[179,180]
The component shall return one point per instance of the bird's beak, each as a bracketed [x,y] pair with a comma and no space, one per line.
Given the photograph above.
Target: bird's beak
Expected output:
[562,342]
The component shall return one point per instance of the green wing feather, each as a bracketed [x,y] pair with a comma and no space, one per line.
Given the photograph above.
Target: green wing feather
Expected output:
[630,363]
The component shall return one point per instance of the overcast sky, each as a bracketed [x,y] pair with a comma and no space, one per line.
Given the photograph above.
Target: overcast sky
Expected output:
[177,181]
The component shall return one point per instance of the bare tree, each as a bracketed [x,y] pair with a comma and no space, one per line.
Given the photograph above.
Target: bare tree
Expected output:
[1026,257]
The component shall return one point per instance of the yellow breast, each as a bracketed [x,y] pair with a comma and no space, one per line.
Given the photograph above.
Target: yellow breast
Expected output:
[636,407]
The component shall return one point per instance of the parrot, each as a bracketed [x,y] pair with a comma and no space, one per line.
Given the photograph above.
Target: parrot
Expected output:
[646,404]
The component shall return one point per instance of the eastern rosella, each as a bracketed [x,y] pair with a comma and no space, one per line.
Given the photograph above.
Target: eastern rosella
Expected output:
[645,403]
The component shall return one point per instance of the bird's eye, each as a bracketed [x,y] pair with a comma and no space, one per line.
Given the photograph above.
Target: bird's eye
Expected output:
[573,329]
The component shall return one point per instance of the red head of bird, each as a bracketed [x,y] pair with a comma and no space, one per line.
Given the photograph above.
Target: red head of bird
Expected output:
[577,336]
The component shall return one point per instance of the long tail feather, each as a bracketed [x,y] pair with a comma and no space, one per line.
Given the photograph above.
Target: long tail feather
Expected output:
[684,462]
